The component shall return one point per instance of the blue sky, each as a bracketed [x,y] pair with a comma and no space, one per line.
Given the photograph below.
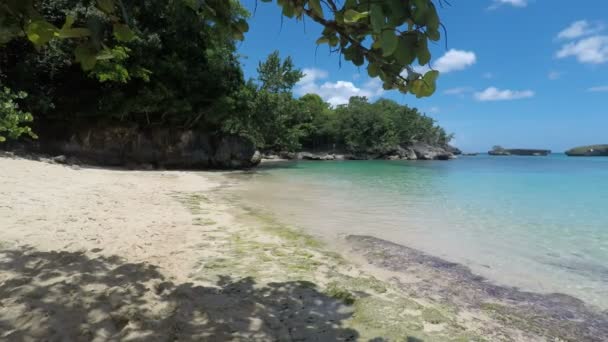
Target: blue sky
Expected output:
[517,73]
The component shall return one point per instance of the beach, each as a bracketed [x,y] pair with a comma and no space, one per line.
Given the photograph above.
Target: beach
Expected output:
[90,254]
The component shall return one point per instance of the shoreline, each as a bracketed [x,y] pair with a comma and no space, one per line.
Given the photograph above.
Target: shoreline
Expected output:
[101,255]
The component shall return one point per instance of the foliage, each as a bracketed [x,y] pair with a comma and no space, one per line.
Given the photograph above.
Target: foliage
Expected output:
[278,122]
[173,63]
[156,78]
[276,76]
[11,117]
[267,111]
[390,35]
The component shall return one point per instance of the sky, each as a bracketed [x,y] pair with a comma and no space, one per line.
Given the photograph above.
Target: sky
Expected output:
[515,73]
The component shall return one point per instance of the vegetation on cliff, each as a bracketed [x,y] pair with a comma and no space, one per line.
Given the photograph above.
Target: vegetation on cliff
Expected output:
[174,64]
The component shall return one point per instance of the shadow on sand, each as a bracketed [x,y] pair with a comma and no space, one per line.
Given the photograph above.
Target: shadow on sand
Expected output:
[71,296]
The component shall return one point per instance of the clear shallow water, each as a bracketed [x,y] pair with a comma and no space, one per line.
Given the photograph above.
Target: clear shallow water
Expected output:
[539,223]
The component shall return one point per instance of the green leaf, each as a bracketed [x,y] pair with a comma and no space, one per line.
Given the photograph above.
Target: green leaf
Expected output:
[74,33]
[123,33]
[432,19]
[389,42]
[86,56]
[426,86]
[322,40]
[242,26]
[406,49]
[69,21]
[420,12]
[352,16]
[398,9]
[41,32]
[377,18]
[315,5]
[106,5]
[288,10]
[422,51]
[373,70]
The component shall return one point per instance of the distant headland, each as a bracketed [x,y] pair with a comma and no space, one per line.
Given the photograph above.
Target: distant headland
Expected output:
[589,151]
[500,151]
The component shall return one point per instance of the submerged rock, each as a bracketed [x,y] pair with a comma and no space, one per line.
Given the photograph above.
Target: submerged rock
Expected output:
[553,316]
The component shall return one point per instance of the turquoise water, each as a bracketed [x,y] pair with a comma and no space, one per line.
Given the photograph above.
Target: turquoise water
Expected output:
[538,223]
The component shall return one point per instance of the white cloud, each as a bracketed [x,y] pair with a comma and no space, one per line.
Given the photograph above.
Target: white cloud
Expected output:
[455,60]
[554,75]
[598,89]
[458,91]
[514,3]
[335,93]
[593,50]
[579,29]
[495,94]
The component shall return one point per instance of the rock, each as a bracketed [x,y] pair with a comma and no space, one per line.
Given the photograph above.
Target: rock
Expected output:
[131,146]
[288,155]
[235,152]
[394,157]
[454,150]
[588,151]
[428,152]
[256,158]
[499,151]
[72,161]
[61,159]
[304,156]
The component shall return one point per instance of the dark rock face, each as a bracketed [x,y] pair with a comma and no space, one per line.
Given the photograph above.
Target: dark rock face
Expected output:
[162,147]
[589,151]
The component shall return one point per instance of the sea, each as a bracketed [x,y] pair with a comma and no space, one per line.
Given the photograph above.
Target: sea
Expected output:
[536,223]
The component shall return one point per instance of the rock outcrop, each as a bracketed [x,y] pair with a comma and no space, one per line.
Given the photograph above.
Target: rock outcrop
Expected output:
[589,151]
[429,152]
[154,147]
[518,152]
[415,151]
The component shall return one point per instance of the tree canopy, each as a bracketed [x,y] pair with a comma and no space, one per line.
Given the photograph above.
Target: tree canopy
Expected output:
[389,35]
[174,63]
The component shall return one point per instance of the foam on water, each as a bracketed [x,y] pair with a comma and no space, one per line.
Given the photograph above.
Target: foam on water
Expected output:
[539,223]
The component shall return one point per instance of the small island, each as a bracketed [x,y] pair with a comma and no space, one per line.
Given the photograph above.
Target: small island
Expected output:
[500,151]
[589,151]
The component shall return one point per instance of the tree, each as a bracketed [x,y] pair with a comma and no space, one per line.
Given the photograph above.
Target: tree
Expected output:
[276,76]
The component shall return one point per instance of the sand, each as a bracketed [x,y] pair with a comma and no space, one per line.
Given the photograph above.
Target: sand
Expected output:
[108,255]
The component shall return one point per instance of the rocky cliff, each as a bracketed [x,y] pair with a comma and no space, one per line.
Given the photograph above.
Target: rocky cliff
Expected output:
[119,145]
